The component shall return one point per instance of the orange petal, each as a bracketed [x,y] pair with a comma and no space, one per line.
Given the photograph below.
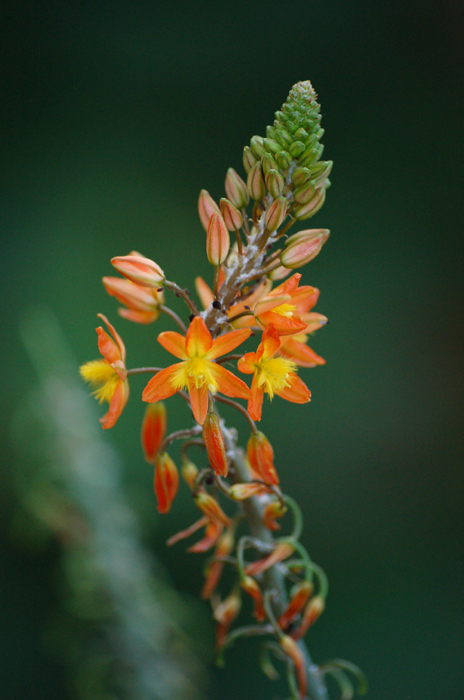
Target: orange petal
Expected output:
[255,404]
[300,353]
[285,325]
[229,384]
[198,340]
[212,534]
[301,295]
[160,387]
[313,321]
[227,342]
[271,302]
[204,292]
[308,303]
[270,343]
[132,295]
[297,392]
[139,316]
[174,343]
[289,285]
[198,401]
[246,364]
[117,403]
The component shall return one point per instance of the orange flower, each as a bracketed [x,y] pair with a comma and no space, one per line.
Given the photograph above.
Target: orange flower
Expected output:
[166,482]
[279,307]
[108,376]
[153,430]
[142,303]
[294,347]
[273,375]
[197,372]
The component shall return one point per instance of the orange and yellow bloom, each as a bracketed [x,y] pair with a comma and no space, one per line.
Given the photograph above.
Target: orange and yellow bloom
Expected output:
[272,375]
[109,376]
[198,373]
[142,303]
[280,307]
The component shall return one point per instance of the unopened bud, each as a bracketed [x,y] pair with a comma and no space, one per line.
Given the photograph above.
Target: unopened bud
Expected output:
[189,473]
[300,176]
[250,586]
[305,211]
[297,148]
[303,247]
[276,213]
[309,156]
[236,189]
[214,443]
[225,613]
[233,218]
[304,193]
[268,163]
[257,146]
[255,182]
[279,273]
[272,146]
[153,429]
[249,159]
[283,137]
[217,240]
[166,482]
[261,457]
[321,171]
[210,507]
[139,269]
[206,208]
[274,182]
[283,159]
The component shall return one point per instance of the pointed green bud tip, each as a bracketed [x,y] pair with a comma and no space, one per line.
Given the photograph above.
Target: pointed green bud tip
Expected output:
[236,189]
[274,183]
[276,213]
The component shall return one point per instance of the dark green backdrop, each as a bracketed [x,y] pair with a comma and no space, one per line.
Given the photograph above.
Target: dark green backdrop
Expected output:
[114,116]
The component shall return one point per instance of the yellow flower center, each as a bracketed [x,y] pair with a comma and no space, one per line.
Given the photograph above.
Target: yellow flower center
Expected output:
[100,375]
[285,310]
[272,374]
[198,370]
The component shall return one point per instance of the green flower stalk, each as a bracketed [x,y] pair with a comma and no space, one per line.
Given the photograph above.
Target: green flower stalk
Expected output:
[240,497]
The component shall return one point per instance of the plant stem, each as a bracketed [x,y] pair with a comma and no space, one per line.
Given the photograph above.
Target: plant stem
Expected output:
[273,578]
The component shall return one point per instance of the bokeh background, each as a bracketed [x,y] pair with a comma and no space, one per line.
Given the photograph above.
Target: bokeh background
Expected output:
[113,116]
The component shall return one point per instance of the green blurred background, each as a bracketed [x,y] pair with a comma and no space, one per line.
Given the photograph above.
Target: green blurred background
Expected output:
[114,115]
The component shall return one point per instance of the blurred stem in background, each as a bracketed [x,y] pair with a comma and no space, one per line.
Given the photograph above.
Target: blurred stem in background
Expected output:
[119,629]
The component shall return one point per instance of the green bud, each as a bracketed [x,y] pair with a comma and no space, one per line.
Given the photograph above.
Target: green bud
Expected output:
[301,134]
[310,155]
[236,189]
[270,132]
[320,171]
[283,159]
[233,218]
[274,183]
[272,146]
[305,211]
[249,159]
[276,213]
[268,163]
[305,193]
[257,146]
[297,148]
[300,176]
[283,137]
[255,182]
